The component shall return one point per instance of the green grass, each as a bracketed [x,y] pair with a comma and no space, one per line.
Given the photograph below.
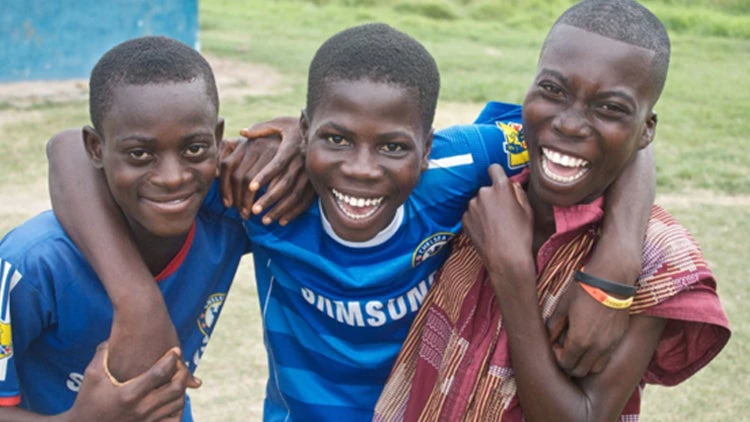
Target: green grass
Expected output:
[703,111]
[485,50]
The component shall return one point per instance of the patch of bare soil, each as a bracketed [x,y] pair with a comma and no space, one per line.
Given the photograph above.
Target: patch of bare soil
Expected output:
[235,79]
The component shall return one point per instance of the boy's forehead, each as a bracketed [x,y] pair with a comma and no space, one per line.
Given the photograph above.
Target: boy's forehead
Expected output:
[155,98]
[567,37]
[600,60]
[150,105]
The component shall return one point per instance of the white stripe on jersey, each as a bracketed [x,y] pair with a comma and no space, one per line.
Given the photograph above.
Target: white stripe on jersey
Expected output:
[456,160]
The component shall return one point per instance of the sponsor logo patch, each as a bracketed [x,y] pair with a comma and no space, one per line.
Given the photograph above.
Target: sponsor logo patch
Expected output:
[514,145]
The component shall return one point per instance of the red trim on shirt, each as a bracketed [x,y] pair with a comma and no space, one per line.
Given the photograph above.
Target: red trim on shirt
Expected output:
[10,401]
[175,263]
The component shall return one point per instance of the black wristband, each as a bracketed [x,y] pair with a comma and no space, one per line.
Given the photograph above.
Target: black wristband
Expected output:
[605,285]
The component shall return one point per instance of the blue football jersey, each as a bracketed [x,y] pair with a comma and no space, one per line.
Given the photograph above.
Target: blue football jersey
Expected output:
[54,311]
[335,313]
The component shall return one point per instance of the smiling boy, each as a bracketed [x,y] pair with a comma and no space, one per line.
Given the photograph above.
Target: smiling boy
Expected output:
[479,349]
[154,140]
[340,285]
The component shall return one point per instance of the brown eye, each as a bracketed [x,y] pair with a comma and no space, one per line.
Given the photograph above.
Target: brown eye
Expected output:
[392,147]
[195,150]
[139,155]
[551,88]
[337,140]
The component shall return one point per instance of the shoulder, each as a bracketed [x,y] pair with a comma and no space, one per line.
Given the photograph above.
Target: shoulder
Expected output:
[39,252]
[670,254]
[34,236]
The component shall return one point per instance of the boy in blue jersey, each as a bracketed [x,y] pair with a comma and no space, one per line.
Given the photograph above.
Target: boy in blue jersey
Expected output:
[340,285]
[155,135]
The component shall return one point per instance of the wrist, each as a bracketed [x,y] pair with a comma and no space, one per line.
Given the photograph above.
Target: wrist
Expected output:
[510,280]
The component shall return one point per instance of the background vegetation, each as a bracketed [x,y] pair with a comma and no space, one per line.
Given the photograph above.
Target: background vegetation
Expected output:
[486,49]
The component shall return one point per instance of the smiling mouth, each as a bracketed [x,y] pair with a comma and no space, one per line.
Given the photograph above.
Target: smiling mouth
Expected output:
[357,208]
[170,204]
[563,168]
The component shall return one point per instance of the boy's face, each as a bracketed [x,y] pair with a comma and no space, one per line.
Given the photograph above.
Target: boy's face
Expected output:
[586,114]
[158,149]
[365,151]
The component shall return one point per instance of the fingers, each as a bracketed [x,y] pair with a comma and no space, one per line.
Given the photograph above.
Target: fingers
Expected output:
[584,364]
[261,130]
[293,200]
[230,160]
[568,355]
[497,174]
[300,205]
[283,157]
[601,363]
[283,192]
[160,373]
[556,326]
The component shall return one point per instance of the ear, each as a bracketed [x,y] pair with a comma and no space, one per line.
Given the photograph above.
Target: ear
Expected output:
[93,143]
[427,149]
[304,129]
[649,130]
[219,131]
[219,135]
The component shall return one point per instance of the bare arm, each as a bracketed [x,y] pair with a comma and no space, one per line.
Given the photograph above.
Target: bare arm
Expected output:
[593,331]
[88,213]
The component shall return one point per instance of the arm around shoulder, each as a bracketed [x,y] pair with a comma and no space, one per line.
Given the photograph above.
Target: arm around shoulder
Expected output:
[83,205]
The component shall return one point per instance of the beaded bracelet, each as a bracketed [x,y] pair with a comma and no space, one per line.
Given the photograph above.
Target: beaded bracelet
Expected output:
[605,299]
[605,285]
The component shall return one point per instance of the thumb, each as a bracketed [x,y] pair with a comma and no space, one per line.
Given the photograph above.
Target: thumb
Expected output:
[497,174]
[260,131]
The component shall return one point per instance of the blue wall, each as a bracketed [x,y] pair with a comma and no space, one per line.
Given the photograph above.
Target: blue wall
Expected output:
[63,39]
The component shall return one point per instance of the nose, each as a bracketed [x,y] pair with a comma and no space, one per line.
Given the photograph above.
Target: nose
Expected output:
[361,164]
[572,122]
[170,172]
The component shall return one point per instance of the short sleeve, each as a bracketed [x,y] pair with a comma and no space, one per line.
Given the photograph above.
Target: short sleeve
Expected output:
[213,204]
[676,284]
[24,313]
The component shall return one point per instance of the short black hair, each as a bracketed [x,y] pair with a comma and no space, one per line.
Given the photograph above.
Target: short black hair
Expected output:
[626,21]
[379,53]
[146,60]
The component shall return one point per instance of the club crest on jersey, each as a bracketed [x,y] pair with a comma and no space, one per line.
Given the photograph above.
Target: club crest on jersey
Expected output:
[211,310]
[429,247]
[514,145]
[6,343]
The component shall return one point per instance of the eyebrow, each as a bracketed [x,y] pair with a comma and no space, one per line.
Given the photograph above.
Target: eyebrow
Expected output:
[148,140]
[624,95]
[381,137]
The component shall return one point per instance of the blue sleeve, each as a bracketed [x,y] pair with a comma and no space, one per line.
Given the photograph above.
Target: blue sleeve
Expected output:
[214,205]
[25,309]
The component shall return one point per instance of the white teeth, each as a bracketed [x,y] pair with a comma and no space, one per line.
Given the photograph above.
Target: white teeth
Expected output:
[563,159]
[357,203]
[562,179]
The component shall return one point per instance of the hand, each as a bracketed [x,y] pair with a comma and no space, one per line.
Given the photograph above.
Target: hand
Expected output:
[156,395]
[584,333]
[248,165]
[500,223]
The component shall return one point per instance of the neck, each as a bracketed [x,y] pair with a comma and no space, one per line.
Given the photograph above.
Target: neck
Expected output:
[544,219]
[157,252]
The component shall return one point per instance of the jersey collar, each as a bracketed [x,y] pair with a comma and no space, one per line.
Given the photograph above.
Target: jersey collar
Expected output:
[376,240]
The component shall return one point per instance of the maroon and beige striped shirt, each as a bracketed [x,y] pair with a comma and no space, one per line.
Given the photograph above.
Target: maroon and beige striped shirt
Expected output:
[455,363]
